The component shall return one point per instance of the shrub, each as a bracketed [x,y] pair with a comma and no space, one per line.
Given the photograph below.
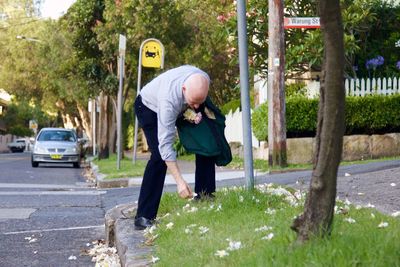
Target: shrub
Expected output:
[374,114]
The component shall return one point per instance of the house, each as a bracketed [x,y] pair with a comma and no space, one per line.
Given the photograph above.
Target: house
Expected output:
[5,99]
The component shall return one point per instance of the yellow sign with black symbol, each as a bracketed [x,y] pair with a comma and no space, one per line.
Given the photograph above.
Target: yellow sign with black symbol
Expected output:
[152,54]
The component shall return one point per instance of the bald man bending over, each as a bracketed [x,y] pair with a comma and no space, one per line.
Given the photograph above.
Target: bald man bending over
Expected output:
[157,108]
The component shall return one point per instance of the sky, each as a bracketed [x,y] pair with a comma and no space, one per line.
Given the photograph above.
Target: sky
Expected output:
[55,8]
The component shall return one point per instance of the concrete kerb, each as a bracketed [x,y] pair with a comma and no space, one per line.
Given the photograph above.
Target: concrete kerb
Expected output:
[121,233]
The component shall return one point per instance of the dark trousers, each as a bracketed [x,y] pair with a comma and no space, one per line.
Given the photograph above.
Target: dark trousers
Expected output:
[154,174]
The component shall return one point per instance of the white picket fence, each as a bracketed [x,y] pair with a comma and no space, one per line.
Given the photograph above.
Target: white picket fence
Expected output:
[379,86]
[353,87]
[234,128]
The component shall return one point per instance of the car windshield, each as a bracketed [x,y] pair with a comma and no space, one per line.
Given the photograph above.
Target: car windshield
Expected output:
[57,136]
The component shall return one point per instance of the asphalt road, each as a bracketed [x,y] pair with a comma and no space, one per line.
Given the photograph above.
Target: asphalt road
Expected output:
[50,213]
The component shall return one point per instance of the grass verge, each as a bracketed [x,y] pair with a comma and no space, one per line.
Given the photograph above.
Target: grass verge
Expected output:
[108,167]
[242,228]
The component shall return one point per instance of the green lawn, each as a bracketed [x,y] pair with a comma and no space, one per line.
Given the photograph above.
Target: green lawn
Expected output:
[128,169]
[240,228]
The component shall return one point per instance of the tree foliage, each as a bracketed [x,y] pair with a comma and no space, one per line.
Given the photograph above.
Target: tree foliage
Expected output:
[370,26]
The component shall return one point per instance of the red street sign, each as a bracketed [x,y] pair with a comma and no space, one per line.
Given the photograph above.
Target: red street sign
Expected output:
[301,22]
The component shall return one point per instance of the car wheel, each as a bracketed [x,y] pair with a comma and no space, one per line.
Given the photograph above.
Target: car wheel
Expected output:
[35,164]
[77,164]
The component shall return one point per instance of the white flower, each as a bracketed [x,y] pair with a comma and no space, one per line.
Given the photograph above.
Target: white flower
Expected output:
[383,225]
[347,202]
[33,240]
[241,198]
[396,214]
[392,184]
[150,230]
[347,174]
[203,230]
[221,253]
[189,209]
[166,215]
[72,258]
[188,231]
[270,211]
[299,194]
[234,245]
[360,193]
[350,220]
[257,200]
[358,207]
[178,214]
[219,208]
[369,205]
[372,216]
[263,228]
[154,259]
[193,209]
[268,237]
[170,225]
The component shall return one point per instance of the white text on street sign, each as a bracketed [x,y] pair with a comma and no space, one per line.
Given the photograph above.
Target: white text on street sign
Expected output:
[301,22]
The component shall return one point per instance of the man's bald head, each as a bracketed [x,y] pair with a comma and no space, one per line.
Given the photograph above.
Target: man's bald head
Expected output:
[195,89]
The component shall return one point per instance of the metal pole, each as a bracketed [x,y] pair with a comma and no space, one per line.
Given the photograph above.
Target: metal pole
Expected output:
[119,112]
[244,91]
[94,125]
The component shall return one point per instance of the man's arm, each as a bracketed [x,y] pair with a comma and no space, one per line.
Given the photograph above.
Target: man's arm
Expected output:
[183,188]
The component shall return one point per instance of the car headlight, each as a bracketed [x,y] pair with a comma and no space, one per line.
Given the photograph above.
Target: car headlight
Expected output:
[39,149]
[71,150]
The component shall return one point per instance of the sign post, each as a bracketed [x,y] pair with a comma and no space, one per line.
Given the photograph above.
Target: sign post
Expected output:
[121,62]
[151,55]
[33,125]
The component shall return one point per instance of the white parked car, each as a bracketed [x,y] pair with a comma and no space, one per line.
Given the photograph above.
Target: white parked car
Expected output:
[18,145]
[56,145]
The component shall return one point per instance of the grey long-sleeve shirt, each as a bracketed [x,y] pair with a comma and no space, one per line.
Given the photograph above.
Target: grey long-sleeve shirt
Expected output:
[164,96]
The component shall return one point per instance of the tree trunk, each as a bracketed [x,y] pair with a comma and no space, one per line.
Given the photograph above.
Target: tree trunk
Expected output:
[104,151]
[317,217]
[113,127]
[277,155]
[85,118]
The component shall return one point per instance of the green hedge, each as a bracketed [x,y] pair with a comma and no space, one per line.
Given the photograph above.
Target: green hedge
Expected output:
[373,114]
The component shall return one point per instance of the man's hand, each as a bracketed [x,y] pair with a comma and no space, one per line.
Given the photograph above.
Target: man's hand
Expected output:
[184,190]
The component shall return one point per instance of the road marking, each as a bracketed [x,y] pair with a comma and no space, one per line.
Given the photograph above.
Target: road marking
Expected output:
[52,193]
[60,186]
[54,229]
[15,213]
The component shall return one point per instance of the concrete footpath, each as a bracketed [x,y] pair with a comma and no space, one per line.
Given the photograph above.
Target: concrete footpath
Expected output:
[376,183]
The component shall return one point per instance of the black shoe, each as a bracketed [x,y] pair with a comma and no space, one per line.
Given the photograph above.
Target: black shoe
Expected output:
[142,223]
